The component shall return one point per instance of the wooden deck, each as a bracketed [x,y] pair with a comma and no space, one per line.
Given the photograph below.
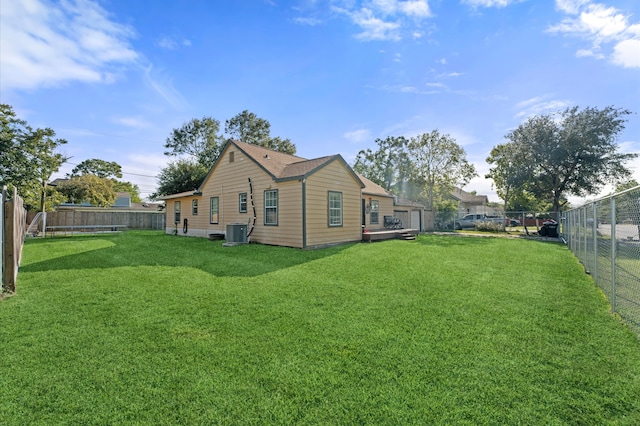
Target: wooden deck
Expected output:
[389,234]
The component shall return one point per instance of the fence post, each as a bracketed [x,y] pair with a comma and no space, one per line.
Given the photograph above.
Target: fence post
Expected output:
[3,198]
[595,243]
[613,253]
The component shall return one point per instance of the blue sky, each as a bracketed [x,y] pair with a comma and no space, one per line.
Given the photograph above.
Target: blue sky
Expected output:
[114,77]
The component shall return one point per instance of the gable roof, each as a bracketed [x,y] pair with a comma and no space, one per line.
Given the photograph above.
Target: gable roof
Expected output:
[373,188]
[180,195]
[280,166]
[467,197]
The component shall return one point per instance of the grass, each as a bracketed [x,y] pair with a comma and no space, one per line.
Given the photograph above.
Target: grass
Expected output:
[146,328]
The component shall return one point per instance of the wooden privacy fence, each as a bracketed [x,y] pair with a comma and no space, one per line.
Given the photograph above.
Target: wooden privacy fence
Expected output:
[13,221]
[104,217]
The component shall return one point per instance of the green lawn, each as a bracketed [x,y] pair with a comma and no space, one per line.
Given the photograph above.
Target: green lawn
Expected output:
[146,328]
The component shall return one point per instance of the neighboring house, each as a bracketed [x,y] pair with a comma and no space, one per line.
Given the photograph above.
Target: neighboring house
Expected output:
[282,199]
[473,204]
[122,202]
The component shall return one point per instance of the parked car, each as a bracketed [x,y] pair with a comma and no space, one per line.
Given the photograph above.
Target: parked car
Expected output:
[470,220]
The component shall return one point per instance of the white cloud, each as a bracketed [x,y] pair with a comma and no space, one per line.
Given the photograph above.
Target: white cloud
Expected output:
[437,85]
[163,86]
[359,135]
[539,105]
[581,53]
[374,28]
[627,53]
[172,43]
[488,3]
[312,22]
[135,122]
[570,6]
[416,8]
[386,19]
[450,74]
[603,27]
[45,44]
[408,89]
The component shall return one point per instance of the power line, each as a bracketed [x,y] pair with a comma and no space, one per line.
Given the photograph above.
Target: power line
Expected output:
[124,173]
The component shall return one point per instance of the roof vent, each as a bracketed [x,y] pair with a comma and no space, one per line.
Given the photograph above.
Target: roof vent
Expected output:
[266,156]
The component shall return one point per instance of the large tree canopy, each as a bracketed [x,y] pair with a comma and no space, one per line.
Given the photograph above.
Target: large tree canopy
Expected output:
[440,164]
[125,186]
[425,167]
[28,157]
[180,176]
[198,138]
[89,188]
[107,170]
[388,166]
[97,167]
[572,152]
[249,128]
[201,142]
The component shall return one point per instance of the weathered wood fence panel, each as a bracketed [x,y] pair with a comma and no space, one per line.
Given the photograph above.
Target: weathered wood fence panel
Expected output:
[14,222]
[88,217]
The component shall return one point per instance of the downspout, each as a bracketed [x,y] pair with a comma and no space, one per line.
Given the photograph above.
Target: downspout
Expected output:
[253,205]
[304,213]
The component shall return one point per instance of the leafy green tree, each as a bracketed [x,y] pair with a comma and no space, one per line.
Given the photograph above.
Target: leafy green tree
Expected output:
[508,173]
[388,166]
[97,167]
[89,188]
[440,164]
[425,167]
[281,145]
[627,184]
[198,138]
[249,128]
[28,157]
[446,213]
[123,186]
[180,176]
[573,152]
[107,170]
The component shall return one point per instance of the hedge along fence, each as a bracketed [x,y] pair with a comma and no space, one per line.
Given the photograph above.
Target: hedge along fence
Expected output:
[12,228]
[101,217]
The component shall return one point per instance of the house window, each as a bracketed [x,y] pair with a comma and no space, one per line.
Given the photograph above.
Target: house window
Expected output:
[335,208]
[215,210]
[194,207]
[232,156]
[242,202]
[271,207]
[176,212]
[375,208]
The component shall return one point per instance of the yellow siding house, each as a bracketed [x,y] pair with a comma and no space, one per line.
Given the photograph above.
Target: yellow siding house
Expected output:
[282,199]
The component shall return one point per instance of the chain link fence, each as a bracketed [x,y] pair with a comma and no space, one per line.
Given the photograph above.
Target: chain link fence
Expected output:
[605,236]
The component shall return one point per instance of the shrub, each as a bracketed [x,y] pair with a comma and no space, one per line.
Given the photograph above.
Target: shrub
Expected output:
[490,227]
